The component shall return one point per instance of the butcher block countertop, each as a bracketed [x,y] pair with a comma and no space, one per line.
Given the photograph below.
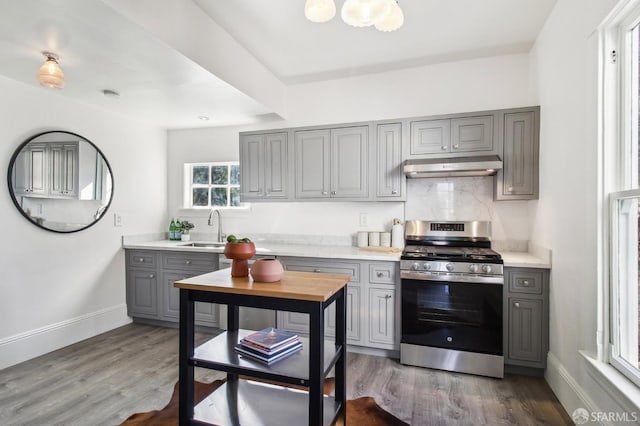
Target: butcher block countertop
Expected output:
[311,286]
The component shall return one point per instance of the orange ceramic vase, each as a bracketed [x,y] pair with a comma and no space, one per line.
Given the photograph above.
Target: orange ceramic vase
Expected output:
[240,253]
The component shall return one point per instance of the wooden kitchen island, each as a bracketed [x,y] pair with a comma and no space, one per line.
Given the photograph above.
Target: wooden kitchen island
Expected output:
[241,401]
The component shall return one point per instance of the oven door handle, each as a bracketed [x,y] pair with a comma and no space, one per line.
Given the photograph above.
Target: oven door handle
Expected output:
[452,277]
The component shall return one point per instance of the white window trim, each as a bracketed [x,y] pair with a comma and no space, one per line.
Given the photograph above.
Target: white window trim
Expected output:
[613,108]
[187,194]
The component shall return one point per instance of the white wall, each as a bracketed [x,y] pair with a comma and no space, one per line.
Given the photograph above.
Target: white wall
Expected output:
[57,289]
[565,218]
[474,85]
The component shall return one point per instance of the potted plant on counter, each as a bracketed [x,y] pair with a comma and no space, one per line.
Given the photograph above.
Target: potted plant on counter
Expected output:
[240,250]
[184,226]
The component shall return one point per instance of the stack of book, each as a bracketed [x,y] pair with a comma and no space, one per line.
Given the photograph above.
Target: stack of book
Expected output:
[269,345]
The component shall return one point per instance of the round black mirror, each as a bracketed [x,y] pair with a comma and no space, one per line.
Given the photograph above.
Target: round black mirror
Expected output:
[60,181]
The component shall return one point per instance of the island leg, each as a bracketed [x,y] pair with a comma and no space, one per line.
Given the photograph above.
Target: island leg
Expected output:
[185,353]
[316,364]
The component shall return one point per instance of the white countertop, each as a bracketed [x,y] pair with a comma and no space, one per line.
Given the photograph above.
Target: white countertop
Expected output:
[511,258]
[276,249]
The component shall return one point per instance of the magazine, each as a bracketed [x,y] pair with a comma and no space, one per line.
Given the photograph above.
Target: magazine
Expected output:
[265,351]
[256,356]
[270,337]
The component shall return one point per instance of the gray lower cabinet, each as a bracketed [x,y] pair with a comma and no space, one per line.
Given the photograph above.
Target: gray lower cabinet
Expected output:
[389,173]
[150,276]
[332,163]
[526,311]
[371,301]
[264,171]
[518,180]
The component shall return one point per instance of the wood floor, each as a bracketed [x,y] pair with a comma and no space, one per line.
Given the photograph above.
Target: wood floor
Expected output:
[103,380]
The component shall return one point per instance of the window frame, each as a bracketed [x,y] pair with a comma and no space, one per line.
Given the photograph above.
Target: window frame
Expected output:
[620,107]
[189,186]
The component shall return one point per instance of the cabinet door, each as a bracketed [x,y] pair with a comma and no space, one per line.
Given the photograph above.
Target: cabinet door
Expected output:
[353,302]
[350,162]
[142,293]
[518,180]
[312,163]
[430,137]
[525,330]
[389,172]
[30,172]
[205,313]
[472,134]
[252,167]
[64,170]
[381,315]
[276,168]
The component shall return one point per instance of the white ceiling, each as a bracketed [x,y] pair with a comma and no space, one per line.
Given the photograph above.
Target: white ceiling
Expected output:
[100,49]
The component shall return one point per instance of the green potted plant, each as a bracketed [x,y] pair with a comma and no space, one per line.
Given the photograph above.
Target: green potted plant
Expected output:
[240,250]
[184,226]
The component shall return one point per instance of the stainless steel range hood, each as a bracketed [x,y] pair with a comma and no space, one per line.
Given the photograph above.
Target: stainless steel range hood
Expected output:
[449,167]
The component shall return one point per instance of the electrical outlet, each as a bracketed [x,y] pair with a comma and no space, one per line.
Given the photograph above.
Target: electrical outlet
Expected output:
[364,219]
[117,219]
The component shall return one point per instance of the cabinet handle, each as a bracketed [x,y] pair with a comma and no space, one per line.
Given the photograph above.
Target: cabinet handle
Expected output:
[510,189]
[150,275]
[141,260]
[379,274]
[333,192]
[188,262]
[316,270]
[394,192]
[387,296]
[444,147]
[456,146]
[324,192]
[525,283]
[516,304]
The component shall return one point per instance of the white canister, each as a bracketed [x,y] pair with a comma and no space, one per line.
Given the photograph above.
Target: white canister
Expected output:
[397,235]
[385,239]
[363,239]
[374,239]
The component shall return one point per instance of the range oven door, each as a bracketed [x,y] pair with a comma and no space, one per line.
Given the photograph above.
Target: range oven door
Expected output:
[464,316]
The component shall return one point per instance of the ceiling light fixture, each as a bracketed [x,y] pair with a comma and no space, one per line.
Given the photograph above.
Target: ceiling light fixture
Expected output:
[50,74]
[319,10]
[385,15]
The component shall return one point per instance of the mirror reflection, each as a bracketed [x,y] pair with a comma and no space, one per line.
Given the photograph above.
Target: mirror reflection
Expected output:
[60,181]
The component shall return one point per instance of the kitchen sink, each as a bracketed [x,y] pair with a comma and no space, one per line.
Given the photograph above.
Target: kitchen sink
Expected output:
[203,244]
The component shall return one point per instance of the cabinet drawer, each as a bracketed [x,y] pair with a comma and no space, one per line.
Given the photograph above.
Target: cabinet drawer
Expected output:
[141,259]
[529,282]
[190,261]
[382,273]
[328,267]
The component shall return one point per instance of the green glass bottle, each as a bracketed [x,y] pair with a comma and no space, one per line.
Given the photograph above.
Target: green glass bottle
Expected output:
[172,230]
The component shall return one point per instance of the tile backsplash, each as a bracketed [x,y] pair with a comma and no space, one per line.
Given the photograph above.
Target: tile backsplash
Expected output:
[466,198]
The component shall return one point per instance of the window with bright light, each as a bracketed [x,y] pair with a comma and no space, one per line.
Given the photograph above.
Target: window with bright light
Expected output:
[623,176]
[212,185]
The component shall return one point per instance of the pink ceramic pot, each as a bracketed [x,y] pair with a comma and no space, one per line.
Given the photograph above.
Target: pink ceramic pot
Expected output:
[266,270]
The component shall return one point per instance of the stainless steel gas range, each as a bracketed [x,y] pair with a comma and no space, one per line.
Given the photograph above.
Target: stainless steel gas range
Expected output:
[451,285]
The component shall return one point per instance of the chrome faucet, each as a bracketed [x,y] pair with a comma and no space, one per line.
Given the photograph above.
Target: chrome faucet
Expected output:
[210,222]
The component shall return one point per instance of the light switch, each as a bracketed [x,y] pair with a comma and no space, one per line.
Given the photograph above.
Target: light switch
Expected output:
[117,219]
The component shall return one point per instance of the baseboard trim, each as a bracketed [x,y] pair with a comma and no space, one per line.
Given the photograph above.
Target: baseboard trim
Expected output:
[30,344]
[567,390]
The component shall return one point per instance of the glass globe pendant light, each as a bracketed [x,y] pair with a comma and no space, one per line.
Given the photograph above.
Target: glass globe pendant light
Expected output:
[50,74]
[393,20]
[364,13]
[319,10]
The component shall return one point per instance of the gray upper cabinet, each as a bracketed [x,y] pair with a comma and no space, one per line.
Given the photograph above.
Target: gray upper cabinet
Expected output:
[31,171]
[332,163]
[454,135]
[518,180]
[264,166]
[430,137]
[64,170]
[472,134]
[389,174]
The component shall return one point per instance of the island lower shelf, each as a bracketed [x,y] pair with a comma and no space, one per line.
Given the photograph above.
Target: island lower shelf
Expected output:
[219,353]
[246,402]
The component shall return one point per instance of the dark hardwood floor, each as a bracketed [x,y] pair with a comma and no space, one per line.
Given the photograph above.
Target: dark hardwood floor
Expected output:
[105,379]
